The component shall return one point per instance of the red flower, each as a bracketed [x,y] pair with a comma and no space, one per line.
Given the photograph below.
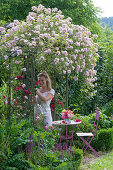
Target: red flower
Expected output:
[17,88]
[63,121]
[52,99]
[52,109]
[51,127]
[22,87]
[37,82]
[53,105]
[27,92]
[78,120]
[22,96]
[4,96]
[66,117]
[19,77]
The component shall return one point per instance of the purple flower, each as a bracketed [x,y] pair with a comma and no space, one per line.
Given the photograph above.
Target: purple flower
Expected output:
[17,62]
[5,57]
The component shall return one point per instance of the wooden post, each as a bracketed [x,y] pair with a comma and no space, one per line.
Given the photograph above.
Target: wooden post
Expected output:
[9,90]
[66,91]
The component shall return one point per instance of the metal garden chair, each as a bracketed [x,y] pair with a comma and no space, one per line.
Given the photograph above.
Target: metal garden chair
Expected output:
[90,136]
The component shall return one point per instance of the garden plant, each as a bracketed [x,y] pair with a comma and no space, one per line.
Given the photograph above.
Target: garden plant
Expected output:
[47,40]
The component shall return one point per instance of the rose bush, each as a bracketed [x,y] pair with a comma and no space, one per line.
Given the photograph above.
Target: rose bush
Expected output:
[57,41]
[51,42]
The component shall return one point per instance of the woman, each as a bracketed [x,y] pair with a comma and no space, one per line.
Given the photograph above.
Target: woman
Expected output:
[44,97]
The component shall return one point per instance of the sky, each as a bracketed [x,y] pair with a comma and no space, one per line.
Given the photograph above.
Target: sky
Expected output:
[106,6]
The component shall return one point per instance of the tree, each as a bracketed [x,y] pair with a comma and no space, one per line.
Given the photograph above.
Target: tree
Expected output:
[105,68]
[14,9]
[82,12]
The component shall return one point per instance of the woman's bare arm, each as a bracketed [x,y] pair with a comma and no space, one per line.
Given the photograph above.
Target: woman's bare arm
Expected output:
[43,98]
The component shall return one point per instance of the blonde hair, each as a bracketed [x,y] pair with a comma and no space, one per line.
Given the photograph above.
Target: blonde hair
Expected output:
[48,80]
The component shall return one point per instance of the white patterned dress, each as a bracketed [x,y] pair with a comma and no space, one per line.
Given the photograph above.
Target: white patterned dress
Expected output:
[45,107]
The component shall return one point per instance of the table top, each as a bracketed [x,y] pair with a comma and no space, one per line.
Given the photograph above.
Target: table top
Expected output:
[59,122]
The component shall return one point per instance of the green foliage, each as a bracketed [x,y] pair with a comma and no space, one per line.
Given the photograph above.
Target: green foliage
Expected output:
[104,121]
[15,162]
[80,97]
[12,134]
[107,109]
[104,140]
[68,161]
[87,126]
[14,9]
[105,69]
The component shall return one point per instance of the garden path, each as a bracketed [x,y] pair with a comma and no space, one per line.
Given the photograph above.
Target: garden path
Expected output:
[90,159]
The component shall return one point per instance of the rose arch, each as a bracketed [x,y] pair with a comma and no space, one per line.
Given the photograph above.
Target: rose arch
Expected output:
[45,41]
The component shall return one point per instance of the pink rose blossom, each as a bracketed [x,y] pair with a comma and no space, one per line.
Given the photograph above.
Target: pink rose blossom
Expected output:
[23,85]
[77,43]
[75,78]
[51,127]
[64,71]
[2,28]
[46,127]
[24,69]
[69,71]
[62,59]
[56,60]
[19,52]
[17,62]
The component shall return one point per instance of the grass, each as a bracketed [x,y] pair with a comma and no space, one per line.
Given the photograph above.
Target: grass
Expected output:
[105,162]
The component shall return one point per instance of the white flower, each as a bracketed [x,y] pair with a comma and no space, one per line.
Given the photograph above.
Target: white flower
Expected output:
[23,85]
[56,60]
[69,71]
[64,71]
[23,69]
[2,28]
[25,97]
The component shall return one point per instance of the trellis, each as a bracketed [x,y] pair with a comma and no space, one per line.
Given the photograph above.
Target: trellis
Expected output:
[29,79]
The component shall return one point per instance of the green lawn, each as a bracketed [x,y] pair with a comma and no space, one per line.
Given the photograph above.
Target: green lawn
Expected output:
[105,162]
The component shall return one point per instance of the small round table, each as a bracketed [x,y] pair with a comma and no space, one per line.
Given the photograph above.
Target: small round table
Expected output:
[66,136]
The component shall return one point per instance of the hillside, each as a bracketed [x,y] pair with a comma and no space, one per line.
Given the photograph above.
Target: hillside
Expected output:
[107,21]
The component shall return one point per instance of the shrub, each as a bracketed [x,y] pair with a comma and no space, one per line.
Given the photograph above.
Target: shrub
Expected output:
[69,161]
[104,140]
[103,135]
[104,121]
